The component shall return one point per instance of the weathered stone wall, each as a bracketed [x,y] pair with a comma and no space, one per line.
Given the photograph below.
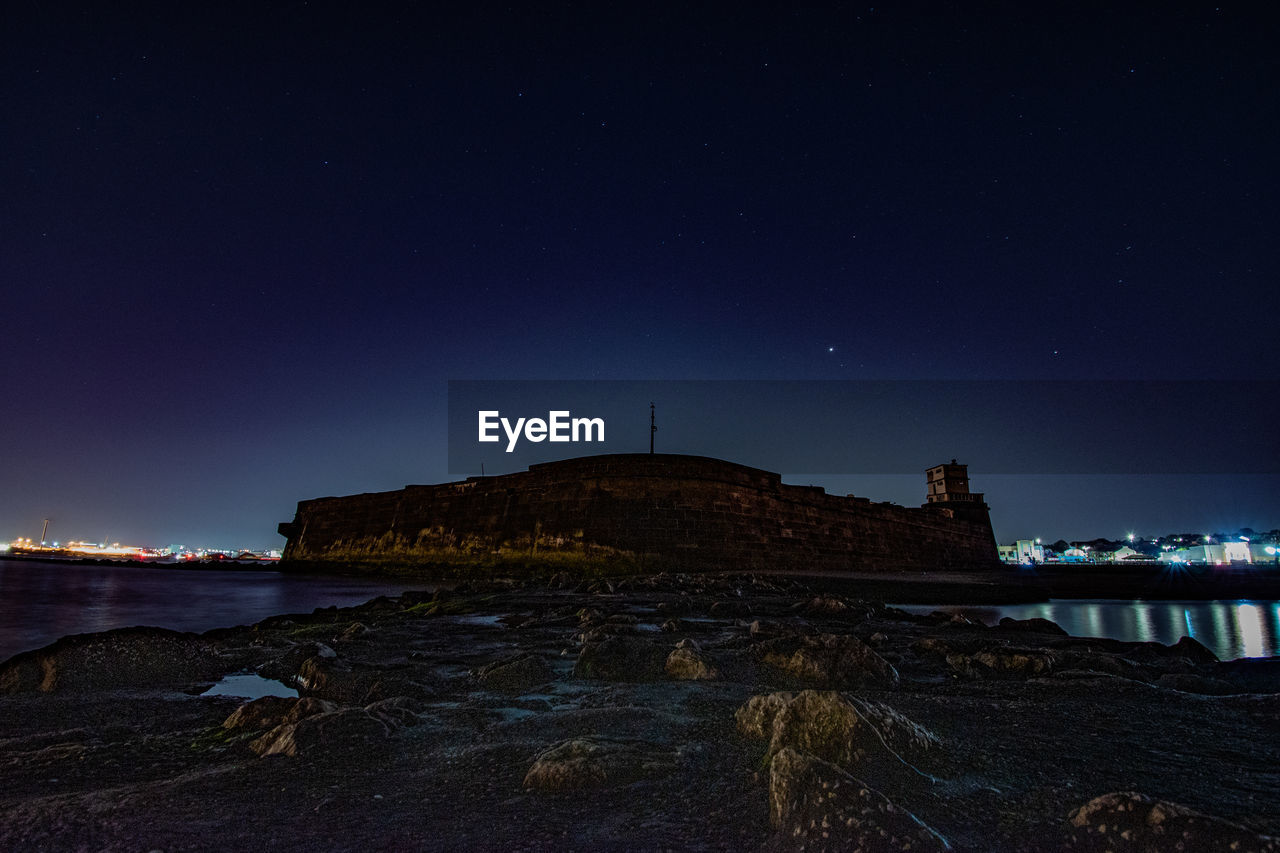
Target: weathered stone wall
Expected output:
[655,511]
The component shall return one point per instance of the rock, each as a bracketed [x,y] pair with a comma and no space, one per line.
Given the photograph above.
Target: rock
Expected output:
[264,713]
[336,680]
[621,658]
[829,660]
[355,629]
[688,663]
[126,657]
[285,664]
[1004,662]
[589,617]
[945,648]
[674,626]
[308,706]
[515,674]
[825,604]
[816,806]
[331,734]
[846,730]
[1035,625]
[271,711]
[755,718]
[1129,821]
[1193,650]
[594,761]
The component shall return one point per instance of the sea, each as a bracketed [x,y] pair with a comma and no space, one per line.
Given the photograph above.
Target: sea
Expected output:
[41,601]
[1230,629]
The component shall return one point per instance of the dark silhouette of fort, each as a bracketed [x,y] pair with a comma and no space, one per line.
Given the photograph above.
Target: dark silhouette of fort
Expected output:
[646,512]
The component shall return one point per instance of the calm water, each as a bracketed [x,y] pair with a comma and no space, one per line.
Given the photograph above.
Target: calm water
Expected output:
[40,602]
[1231,629]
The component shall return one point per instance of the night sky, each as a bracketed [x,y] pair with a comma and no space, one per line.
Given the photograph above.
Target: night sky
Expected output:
[243,247]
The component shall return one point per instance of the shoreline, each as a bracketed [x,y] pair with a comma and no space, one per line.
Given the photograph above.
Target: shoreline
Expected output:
[191,565]
[1001,585]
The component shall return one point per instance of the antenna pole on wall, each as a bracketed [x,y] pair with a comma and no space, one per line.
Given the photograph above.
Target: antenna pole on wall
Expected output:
[653,427]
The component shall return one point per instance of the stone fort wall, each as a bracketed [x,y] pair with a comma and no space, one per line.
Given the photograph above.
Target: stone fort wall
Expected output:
[655,511]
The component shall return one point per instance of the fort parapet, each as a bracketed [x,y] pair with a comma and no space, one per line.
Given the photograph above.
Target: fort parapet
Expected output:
[644,512]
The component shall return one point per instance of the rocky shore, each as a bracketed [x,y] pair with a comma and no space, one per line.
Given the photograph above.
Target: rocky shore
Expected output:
[658,713]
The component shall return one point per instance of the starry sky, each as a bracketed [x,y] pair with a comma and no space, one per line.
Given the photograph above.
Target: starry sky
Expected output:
[244,246]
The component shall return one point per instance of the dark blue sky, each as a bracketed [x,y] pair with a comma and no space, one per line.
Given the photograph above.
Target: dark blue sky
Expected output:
[243,247]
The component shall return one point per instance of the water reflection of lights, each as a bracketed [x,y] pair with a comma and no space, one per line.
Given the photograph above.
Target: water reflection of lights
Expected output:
[1093,620]
[1249,618]
[1224,626]
[1146,631]
[1230,629]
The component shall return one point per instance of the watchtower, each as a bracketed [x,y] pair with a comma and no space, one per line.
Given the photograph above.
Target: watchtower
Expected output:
[949,482]
[948,485]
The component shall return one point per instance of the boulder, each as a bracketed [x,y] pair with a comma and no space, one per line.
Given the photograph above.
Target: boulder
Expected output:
[825,604]
[308,706]
[268,712]
[264,713]
[333,734]
[595,761]
[755,718]
[1128,821]
[829,660]
[347,683]
[329,678]
[816,806]
[1035,625]
[1193,650]
[1004,662]
[848,731]
[621,658]
[355,629]
[126,657]
[688,663]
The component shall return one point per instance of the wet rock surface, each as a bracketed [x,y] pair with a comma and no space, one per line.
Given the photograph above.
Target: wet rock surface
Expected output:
[656,713]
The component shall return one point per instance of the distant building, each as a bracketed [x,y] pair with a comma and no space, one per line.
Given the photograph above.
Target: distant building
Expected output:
[1223,554]
[1023,552]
